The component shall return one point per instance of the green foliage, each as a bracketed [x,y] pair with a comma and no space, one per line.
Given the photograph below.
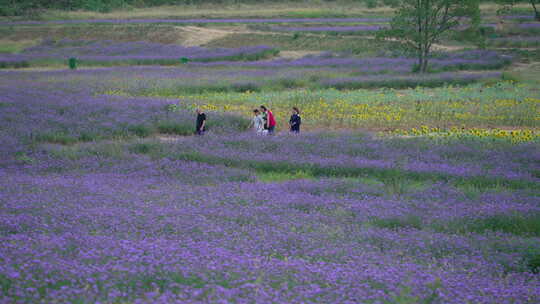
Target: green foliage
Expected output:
[421,23]
[182,128]
[14,65]
[23,158]
[510,76]
[273,177]
[144,148]
[405,296]
[141,130]
[16,46]
[371,3]
[397,223]
[507,5]
[33,7]
[5,284]
[72,63]
[55,138]
[533,263]
[481,182]
[89,136]
[519,224]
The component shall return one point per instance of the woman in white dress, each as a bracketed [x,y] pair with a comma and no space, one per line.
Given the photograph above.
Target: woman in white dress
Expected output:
[257,123]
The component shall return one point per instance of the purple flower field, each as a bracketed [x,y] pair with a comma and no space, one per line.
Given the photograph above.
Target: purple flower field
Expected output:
[383,80]
[529,26]
[518,17]
[116,51]
[518,41]
[195,21]
[468,60]
[100,204]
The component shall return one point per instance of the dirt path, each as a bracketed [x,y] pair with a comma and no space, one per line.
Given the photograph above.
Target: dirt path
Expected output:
[197,36]
[172,138]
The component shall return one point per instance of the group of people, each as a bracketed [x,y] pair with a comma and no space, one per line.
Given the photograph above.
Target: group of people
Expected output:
[263,121]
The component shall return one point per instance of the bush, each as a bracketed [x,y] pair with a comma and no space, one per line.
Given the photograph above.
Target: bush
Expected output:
[14,65]
[144,148]
[88,136]
[55,138]
[176,128]
[519,224]
[534,263]
[509,76]
[398,223]
[371,3]
[245,87]
[141,130]
[227,123]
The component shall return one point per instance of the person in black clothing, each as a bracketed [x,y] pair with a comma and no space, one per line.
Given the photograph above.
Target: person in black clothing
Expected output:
[200,126]
[295,120]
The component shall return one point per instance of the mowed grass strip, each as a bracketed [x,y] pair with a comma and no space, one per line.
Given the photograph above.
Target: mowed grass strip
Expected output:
[387,176]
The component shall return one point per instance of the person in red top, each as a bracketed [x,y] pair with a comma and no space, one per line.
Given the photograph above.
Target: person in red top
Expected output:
[270,121]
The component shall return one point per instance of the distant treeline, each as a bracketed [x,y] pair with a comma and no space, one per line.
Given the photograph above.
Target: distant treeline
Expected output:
[33,7]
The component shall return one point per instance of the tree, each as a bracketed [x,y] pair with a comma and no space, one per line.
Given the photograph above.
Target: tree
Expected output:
[534,3]
[421,23]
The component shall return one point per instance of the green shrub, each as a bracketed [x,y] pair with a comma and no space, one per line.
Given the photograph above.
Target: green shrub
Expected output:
[371,3]
[518,224]
[14,65]
[397,223]
[176,127]
[509,76]
[273,177]
[141,130]
[220,123]
[144,148]
[245,87]
[88,136]
[56,138]
[534,263]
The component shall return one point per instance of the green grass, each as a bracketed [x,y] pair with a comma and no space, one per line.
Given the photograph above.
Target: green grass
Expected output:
[14,65]
[406,222]
[230,9]
[527,225]
[176,128]
[290,42]
[52,62]
[388,176]
[122,33]
[141,130]
[533,263]
[498,104]
[56,138]
[513,43]
[276,177]
[16,46]
[518,224]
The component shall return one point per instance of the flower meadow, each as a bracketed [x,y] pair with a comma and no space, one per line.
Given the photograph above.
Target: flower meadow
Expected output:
[111,53]
[203,21]
[503,104]
[105,199]
[401,187]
